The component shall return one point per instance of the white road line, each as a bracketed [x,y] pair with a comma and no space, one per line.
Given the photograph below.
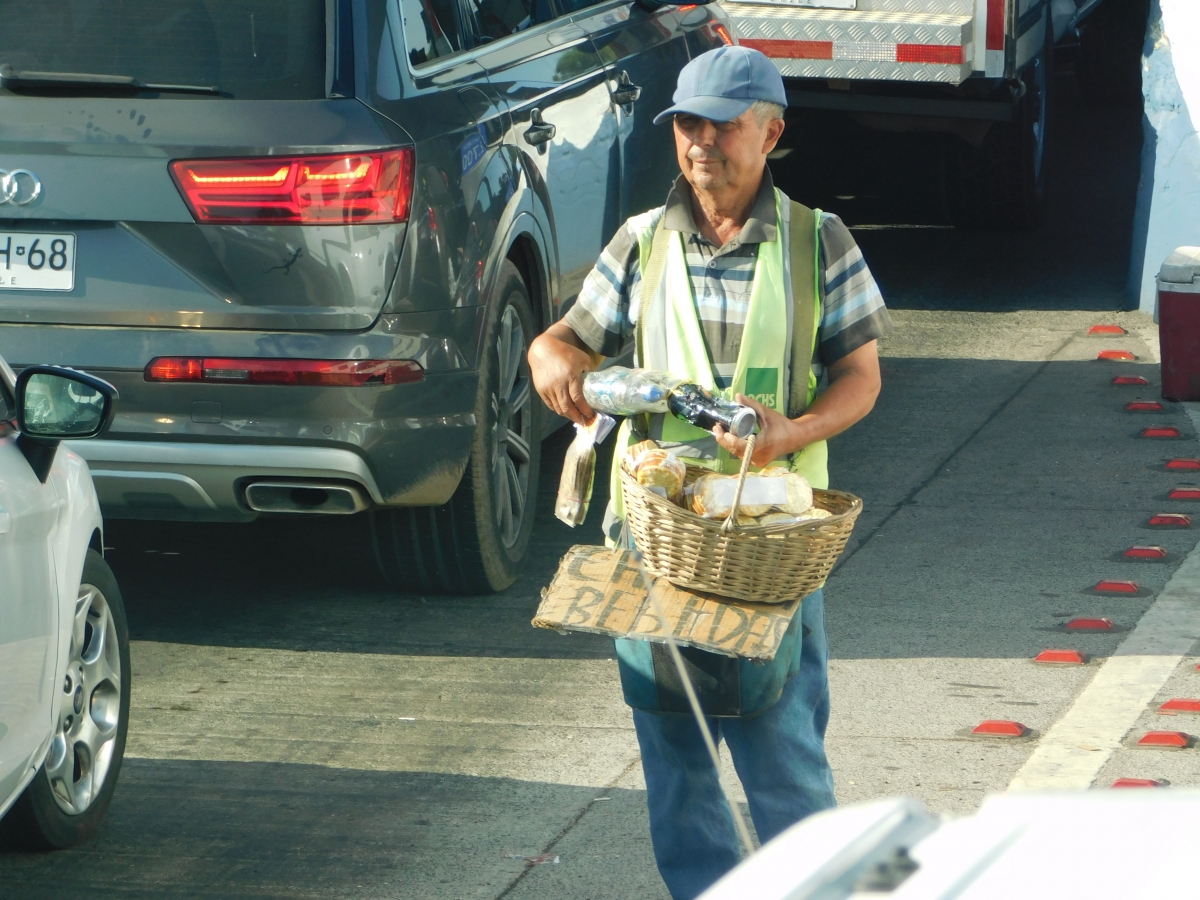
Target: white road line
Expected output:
[1075,748]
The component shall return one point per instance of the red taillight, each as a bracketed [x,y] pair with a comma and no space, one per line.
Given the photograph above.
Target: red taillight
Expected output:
[357,188]
[175,368]
[309,372]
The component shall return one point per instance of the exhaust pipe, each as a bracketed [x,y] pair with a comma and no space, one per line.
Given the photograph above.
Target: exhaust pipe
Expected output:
[305,497]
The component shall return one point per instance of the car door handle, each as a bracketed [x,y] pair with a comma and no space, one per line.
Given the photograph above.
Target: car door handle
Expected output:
[5,522]
[538,132]
[625,93]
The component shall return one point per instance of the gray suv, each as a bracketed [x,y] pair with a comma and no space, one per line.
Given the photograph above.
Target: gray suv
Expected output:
[310,240]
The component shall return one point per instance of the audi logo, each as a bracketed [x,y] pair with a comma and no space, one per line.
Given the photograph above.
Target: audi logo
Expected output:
[20,187]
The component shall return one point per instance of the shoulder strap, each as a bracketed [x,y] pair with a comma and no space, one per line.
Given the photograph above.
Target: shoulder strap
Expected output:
[651,278]
[804,250]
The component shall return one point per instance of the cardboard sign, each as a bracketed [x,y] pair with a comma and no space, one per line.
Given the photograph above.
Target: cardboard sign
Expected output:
[602,591]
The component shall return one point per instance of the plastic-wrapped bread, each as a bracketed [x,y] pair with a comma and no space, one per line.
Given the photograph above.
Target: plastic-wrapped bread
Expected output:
[634,453]
[579,471]
[799,495]
[784,518]
[799,491]
[777,518]
[775,489]
[702,496]
[712,496]
[659,469]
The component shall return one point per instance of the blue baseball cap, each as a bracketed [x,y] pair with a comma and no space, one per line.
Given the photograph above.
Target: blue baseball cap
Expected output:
[722,84]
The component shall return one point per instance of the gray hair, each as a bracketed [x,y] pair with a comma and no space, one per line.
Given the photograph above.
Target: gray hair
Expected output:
[764,111]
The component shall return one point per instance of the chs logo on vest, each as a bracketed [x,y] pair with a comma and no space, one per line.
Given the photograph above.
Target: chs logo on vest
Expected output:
[762,385]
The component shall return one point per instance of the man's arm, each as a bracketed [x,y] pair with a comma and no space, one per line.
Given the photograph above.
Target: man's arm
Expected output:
[854,385]
[597,325]
[557,360]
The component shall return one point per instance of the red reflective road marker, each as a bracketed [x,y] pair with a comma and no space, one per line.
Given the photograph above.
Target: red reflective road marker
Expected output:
[1116,355]
[1107,329]
[1116,587]
[1086,624]
[1140,782]
[1179,705]
[1061,657]
[1161,431]
[1131,380]
[1000,728]
[1170,520]
[1183,464]
[1149,552]
[1184,493]
[1143,406]
[1170,740]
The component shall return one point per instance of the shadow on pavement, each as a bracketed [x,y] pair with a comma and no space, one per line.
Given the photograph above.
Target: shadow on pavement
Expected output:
[239,830]
[312,584]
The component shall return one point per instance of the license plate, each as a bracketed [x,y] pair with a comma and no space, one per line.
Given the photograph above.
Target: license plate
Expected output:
[37,262]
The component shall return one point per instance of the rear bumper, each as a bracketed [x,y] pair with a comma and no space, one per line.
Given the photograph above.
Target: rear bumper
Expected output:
[207,482]
[201,471]
[188,451]
[859,44]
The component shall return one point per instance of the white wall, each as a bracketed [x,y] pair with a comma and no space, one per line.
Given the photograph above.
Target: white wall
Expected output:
[1171,159]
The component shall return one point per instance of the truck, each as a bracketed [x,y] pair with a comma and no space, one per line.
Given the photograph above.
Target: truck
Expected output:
[980,71]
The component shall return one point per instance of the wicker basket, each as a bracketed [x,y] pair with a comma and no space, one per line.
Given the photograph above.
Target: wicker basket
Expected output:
[760,563]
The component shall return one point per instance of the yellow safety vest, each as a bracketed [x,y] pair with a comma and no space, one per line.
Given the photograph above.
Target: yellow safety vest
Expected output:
[769,366]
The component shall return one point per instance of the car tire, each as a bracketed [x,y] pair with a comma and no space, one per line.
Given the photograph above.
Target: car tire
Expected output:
[477,542]
[1001,184]
[68,797]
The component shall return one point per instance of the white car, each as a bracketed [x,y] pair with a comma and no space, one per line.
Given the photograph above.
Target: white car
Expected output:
[1069,845]
[64,642]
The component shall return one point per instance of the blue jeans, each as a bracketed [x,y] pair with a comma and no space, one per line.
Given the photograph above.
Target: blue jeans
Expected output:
[779,755]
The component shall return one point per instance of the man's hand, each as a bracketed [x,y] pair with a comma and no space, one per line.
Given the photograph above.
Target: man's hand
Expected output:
[557,361]
[776,435]
[853,387]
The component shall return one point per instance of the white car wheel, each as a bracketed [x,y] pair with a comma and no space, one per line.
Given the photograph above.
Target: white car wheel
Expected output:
[82,751]
[67,799]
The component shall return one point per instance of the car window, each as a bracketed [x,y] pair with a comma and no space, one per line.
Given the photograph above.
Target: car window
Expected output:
[253,49]
[497,19]
[431,29]
[566,7]
[7,409]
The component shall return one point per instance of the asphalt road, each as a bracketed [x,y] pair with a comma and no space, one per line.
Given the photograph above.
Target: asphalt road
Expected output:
[298,731]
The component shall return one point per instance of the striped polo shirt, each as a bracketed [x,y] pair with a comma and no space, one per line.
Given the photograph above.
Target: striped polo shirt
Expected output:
[852,308]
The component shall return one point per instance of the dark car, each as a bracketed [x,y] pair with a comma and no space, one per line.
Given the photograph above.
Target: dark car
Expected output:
[310,240]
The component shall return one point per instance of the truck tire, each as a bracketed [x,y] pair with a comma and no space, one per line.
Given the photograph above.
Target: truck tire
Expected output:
[68,797]
[1109,69]
[1002,183]
[476,543]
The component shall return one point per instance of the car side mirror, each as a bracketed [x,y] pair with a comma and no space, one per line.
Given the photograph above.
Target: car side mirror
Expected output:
[55,403]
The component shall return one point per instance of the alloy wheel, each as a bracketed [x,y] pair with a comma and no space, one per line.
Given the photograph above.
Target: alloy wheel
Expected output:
[82,749]
[512,434]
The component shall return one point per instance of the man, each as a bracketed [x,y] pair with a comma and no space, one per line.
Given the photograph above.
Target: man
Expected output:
[731,286]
